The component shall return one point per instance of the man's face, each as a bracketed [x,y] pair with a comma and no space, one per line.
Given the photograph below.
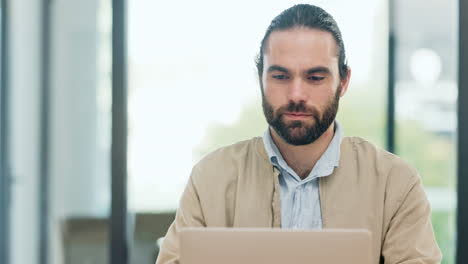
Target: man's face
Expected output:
[301,84]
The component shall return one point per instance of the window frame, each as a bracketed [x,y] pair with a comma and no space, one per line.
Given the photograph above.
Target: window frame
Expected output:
[462,150]
[5,179]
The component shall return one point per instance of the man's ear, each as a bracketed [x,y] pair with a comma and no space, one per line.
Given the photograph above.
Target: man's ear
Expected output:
[345,82]
[260,83]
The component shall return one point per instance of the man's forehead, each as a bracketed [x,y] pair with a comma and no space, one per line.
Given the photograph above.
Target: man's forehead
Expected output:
[301,40]
[301,47]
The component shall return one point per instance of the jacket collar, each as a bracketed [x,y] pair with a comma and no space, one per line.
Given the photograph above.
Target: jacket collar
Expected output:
[324,166]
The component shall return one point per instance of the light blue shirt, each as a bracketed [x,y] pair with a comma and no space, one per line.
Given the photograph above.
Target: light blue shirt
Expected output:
[300,199]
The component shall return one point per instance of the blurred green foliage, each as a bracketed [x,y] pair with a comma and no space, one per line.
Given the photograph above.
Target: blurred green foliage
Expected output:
[251,123]
[444,228]
[433,155]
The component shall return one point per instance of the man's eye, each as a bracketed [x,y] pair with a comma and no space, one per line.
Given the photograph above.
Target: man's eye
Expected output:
[316,78]
[280,76]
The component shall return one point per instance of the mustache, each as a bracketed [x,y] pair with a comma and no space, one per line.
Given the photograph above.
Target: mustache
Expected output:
[300,107]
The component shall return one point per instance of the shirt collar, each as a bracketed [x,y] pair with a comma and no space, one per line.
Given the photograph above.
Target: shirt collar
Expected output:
[328,161]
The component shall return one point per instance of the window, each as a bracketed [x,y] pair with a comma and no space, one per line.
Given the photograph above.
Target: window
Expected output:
[193,85]
[426,101]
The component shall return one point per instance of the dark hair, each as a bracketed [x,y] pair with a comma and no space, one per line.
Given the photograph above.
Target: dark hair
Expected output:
[309,16]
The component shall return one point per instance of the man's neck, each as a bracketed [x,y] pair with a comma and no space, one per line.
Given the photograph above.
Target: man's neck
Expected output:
[302,159]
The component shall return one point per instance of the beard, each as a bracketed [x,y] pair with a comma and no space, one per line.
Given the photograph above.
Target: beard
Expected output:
[299,132]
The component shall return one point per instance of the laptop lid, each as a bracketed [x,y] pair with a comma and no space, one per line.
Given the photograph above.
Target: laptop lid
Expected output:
[274,246]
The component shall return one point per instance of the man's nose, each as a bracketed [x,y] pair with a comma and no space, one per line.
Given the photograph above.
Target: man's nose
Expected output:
[297,91]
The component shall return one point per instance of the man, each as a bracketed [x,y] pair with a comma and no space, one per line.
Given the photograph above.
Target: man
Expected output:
[302,174]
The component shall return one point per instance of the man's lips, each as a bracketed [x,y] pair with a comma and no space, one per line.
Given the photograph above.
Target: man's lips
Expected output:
[297,115]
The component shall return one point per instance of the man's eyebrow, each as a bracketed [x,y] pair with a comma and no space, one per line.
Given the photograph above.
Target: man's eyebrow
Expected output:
[319,69]
[277,68]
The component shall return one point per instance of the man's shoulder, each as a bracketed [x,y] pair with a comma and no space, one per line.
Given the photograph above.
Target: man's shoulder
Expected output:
[234,152]
[226,161]
[362,147]
[385,163]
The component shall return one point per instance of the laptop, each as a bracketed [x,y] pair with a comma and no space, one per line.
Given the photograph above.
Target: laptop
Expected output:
[274,246]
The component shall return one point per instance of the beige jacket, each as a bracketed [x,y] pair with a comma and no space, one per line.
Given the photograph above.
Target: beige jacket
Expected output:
[237,186]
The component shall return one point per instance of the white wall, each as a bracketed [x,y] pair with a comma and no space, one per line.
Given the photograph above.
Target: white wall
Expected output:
[79,161]
[79,125]
[25,82]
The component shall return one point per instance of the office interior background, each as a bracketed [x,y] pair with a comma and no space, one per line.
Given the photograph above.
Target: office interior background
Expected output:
[106,105]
